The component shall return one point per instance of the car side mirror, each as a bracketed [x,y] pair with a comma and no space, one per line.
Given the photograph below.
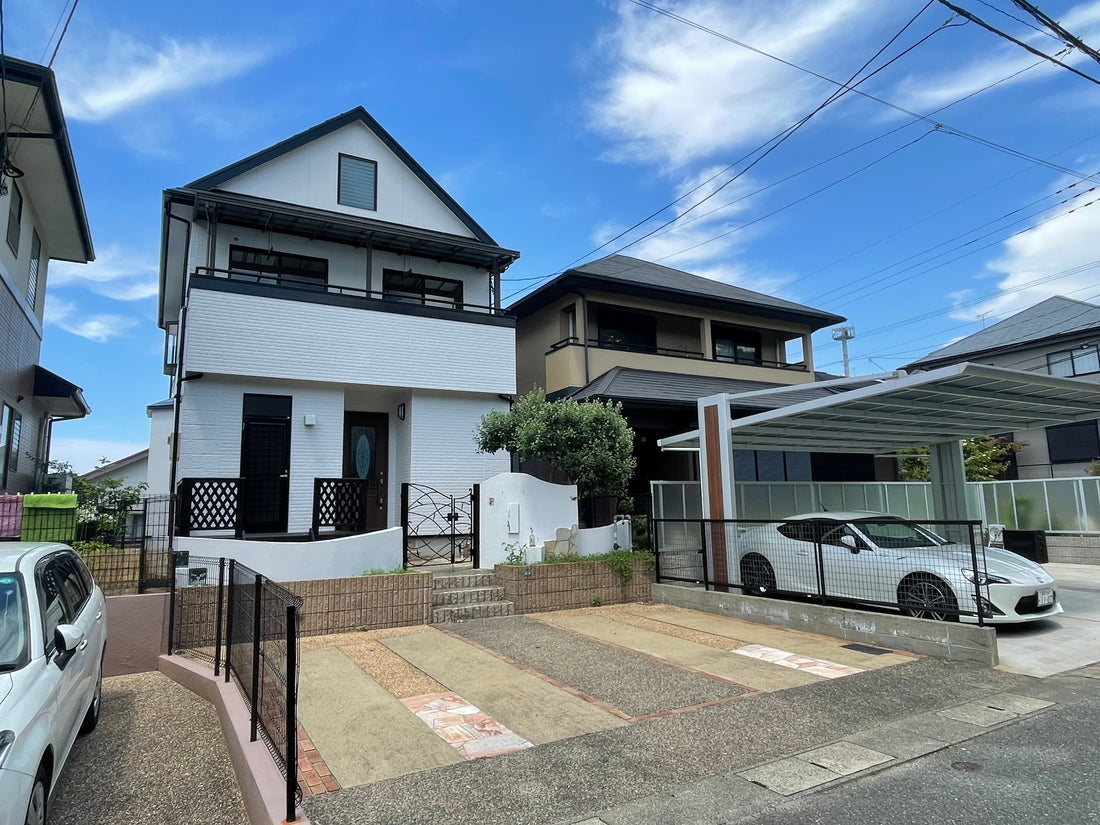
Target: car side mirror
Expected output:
[67,637]
[850,542]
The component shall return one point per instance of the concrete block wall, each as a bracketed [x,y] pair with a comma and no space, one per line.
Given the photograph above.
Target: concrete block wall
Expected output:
[364,602]
[1065,549]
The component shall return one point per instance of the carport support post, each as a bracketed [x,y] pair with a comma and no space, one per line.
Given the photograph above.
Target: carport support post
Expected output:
[948,473]
[716,473]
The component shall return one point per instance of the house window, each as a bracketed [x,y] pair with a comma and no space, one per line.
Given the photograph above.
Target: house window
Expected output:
[281,268]
[429,290]
[569,323]
[11,423]
[735,345]
[32,274]
[15,218]
[627,330]
[1083,360]
[1073,442]
[358,185]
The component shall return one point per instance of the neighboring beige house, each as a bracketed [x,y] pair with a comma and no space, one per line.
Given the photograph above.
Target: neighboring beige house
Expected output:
[42,218]
[1059,336]
[656,339]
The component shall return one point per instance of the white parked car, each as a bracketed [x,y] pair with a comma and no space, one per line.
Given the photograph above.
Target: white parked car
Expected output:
[53,632]
[881,559]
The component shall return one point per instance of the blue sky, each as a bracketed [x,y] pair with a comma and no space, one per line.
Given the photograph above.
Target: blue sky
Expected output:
[559,125]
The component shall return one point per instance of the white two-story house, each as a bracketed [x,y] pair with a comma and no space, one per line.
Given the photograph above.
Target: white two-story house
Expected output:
[42,218]
[330,313]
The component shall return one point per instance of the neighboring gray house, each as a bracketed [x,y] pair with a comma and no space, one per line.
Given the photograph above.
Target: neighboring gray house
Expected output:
[42,219]
[1058,336]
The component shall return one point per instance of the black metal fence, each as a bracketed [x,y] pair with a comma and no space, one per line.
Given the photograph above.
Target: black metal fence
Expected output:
[227,614]
[339,505]
[929,569]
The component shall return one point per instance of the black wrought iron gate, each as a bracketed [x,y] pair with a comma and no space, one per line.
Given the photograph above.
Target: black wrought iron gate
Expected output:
[438,528]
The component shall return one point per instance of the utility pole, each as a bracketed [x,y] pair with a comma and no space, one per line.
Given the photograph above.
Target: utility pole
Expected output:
[844,335]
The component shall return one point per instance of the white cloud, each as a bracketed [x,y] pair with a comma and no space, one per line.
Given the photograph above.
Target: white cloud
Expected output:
[85,453]
[1062,253]
[676,94]
[100,328]
[110,74]
[930,90]
[115,273]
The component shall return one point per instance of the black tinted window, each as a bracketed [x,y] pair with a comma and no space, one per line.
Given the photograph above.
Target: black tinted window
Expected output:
[54,609]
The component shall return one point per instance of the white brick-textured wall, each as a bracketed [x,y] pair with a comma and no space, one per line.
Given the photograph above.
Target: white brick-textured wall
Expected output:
[443,454]
[262,337]
[210,436]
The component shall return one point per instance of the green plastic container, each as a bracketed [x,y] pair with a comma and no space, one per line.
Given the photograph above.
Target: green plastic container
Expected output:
[49,517]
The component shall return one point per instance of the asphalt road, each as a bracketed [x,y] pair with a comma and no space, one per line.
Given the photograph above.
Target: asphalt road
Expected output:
[1046,768]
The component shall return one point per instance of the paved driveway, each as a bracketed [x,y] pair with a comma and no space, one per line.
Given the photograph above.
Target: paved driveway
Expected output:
[429,697]
[1066,642]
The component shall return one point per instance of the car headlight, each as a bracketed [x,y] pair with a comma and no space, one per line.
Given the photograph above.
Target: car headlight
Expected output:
[7,739]
[984,578]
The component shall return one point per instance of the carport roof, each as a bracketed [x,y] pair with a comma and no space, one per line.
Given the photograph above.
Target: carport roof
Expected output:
[896,411]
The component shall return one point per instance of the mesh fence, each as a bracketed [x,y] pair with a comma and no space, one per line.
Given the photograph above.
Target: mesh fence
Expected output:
[927,569]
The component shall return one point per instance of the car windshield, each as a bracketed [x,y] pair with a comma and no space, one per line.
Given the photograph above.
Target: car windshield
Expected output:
[13,622]
[898,535]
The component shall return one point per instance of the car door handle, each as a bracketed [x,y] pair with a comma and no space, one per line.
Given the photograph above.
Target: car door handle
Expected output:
[803,552]
[99,615]
[82,645]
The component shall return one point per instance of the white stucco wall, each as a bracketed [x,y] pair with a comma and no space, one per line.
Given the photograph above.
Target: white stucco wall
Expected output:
[255,336]
[441,444]
[303,561]
[514,507]
[308,176]
[594,541]
[161,420]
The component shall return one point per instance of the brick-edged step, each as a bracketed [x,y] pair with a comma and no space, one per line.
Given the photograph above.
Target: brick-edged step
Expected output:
[457,597]
[467,595]
[462,612]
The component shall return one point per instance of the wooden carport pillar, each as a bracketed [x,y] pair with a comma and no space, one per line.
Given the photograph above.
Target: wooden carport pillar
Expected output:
[947,471]
[716,474]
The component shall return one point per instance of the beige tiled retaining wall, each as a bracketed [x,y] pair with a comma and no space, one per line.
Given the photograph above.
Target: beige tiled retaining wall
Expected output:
[371,602]
[1073,549]
[543,587]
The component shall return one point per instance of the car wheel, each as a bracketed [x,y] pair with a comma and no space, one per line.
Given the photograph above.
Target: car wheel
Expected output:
[91,718]
[925,596]
[36,807]
[757,575]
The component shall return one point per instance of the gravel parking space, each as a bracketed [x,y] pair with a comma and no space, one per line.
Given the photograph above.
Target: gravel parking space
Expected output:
[157,756]
[635,684]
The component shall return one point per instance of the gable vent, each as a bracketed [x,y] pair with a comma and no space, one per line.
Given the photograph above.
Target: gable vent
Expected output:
[358,183]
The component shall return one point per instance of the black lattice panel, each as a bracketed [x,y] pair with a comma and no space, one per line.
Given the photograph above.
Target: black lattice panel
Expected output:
[214,503]
[339,503]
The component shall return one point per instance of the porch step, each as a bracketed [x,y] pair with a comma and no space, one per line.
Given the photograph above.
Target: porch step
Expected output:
[457,597]
[463,612]
[460,581]
[467,595]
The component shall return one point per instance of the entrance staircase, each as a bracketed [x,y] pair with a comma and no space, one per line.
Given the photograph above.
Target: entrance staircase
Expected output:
[467,594]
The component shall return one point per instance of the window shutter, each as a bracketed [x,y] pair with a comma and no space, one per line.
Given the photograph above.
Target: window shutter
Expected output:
[358,183]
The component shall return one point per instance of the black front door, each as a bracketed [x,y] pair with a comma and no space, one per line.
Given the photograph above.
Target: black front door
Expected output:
[265,463]
[366,453]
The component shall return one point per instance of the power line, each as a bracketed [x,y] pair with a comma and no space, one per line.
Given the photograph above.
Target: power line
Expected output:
[975,19]
[72,11]
[1062,33]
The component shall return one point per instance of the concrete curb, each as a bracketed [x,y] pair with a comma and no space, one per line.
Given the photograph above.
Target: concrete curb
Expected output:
[944,640]
[262,785]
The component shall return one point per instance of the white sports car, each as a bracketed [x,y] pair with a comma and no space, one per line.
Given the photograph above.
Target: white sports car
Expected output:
[881,559]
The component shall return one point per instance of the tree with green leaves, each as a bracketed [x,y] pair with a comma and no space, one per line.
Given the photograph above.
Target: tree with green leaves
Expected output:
[588,442]
[986,458]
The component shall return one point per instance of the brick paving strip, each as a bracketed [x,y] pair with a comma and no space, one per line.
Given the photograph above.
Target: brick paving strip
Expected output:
[465,728]
[818,667]
[314,776]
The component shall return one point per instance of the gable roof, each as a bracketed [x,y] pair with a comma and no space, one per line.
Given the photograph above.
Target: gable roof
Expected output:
[356,115]
[40,147]
[1045,321]
[119,464]
[632,276]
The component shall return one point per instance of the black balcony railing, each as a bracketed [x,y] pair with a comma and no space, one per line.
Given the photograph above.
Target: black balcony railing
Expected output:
[314,286]
[672,352]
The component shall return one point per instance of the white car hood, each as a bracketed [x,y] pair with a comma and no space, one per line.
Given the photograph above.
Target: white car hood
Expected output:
[997,561]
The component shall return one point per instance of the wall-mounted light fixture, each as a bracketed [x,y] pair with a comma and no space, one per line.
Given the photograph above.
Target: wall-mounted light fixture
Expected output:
[401,411]
[309,420]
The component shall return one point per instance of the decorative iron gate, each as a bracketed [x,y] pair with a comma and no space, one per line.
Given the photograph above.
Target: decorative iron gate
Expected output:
[438,528]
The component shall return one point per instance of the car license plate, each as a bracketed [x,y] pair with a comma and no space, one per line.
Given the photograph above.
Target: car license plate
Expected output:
[1046,597]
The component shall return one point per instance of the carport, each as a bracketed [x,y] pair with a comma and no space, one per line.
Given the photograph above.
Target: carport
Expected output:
[895,411]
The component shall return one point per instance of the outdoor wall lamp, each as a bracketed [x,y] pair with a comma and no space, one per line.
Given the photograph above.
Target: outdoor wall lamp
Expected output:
[401,411]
